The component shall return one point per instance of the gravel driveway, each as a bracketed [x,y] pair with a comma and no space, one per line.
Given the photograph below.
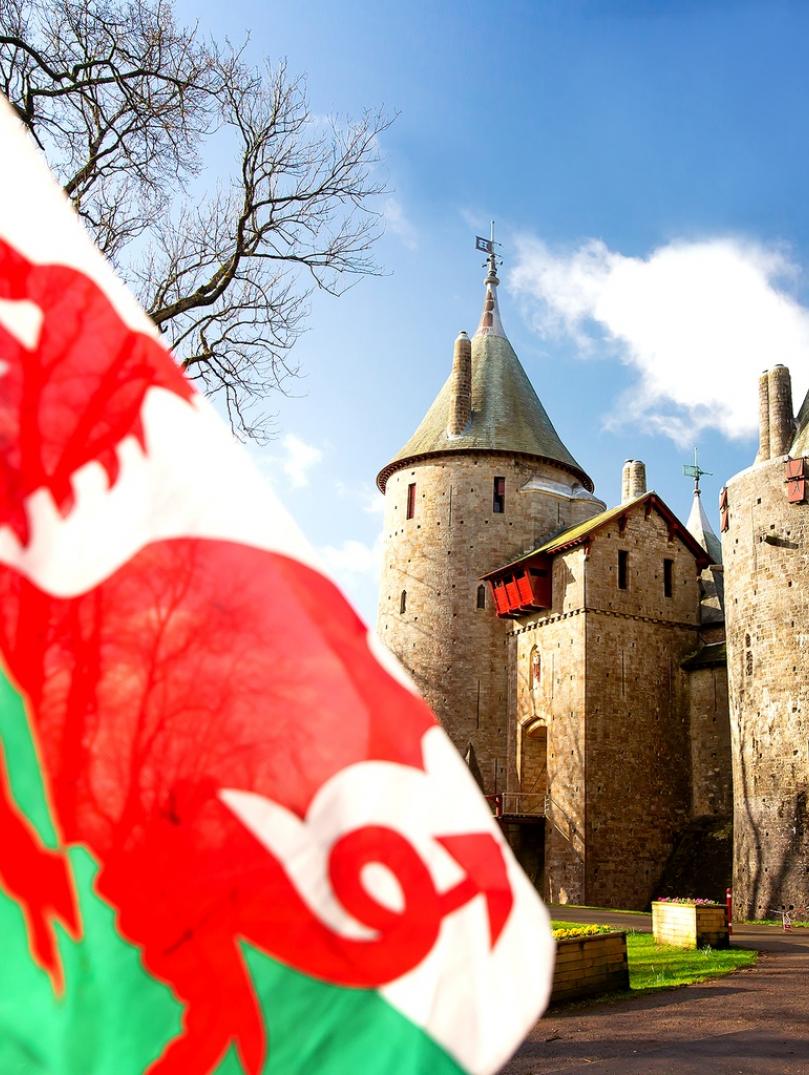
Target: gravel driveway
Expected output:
[753,1022]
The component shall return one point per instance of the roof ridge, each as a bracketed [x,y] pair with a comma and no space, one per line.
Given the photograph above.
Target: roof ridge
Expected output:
[573,535]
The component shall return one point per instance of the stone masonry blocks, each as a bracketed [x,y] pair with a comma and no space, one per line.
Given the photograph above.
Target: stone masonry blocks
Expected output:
[455,651]
[766,558]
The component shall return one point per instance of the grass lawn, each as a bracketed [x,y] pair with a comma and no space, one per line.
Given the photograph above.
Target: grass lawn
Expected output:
[592,907]
[661,966]
[797,923]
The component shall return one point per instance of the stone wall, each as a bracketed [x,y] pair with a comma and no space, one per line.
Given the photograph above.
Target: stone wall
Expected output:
[456,651]
[557,704]
[766,559]
[709,735]
[637,756]
[612,695]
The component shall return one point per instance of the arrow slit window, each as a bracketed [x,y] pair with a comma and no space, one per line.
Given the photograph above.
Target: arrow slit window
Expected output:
[499,496]
[411,500]
[623,569]
[668,577]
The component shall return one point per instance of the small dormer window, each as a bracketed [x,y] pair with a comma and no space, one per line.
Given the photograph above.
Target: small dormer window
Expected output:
[499,496]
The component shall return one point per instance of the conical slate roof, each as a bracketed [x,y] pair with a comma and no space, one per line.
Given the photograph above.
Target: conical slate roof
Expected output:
[507,415]
[699,526]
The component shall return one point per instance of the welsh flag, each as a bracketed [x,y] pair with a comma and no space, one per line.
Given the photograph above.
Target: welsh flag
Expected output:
[234,840]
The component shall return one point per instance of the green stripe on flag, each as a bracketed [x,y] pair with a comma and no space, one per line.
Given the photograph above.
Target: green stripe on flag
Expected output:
[24,773]
[115,1019]
[315,1026]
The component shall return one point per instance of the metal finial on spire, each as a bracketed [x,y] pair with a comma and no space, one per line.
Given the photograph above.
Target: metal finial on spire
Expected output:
[699,525]
[490,323]
[487,246]
[695,472]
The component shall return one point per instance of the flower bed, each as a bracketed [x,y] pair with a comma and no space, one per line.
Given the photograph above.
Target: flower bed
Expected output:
[589,961]
[563,932]
[690,901]
[693,923]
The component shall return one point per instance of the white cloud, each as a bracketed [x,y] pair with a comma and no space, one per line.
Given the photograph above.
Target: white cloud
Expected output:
[696,321]
[475,220]
[298,459]
[352,558]
[355,566]
[369,498]
[399,224]
[373,502]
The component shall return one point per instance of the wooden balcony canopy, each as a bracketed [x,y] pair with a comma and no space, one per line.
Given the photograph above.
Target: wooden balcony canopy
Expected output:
[524,585]
[523,588]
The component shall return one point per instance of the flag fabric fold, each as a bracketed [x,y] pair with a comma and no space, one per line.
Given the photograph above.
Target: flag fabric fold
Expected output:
[234,838]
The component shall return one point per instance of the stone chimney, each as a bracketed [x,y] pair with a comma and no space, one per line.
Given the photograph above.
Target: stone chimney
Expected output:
[781,419]
[633,480]
[763,418]
[460,398]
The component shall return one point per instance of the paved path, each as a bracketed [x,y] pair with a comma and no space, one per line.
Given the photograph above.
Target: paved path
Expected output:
[753,1022]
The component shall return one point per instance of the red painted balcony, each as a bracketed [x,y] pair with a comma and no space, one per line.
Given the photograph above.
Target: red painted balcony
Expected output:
[513,593]
[523,589]
[795,476]
[500,597]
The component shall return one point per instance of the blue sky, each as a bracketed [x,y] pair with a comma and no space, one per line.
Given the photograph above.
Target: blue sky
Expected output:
[647,167]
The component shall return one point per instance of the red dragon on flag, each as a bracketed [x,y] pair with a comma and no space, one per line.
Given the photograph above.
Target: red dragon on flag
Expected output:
[234,839]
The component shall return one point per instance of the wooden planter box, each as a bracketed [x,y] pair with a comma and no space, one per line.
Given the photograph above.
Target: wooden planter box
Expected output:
[586,966]
[690,925]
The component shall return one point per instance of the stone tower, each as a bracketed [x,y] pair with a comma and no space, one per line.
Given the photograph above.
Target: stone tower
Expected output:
[765,545]
[484,478]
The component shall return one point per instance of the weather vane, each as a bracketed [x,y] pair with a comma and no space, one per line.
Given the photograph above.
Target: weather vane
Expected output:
[695,472]
[487,246]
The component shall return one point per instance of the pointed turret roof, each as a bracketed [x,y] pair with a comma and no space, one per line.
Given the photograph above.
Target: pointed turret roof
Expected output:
[699,526]
[800,443]
[507,415]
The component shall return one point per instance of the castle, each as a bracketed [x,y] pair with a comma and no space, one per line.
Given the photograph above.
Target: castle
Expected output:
[576,653]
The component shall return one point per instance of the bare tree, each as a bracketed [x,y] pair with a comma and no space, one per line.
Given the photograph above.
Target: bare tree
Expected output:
[124,103]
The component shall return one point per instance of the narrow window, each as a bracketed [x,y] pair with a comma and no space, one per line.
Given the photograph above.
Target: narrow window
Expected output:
[668,577]
[411,501]
[499,497]
[482,596]
[535,670]
[403,602]
[623,568]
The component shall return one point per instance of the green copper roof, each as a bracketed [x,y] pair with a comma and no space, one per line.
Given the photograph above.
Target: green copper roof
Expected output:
[506,413]
[574,535]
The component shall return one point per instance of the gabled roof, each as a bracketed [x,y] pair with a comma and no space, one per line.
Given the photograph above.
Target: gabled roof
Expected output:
[507,415]
[577,535]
